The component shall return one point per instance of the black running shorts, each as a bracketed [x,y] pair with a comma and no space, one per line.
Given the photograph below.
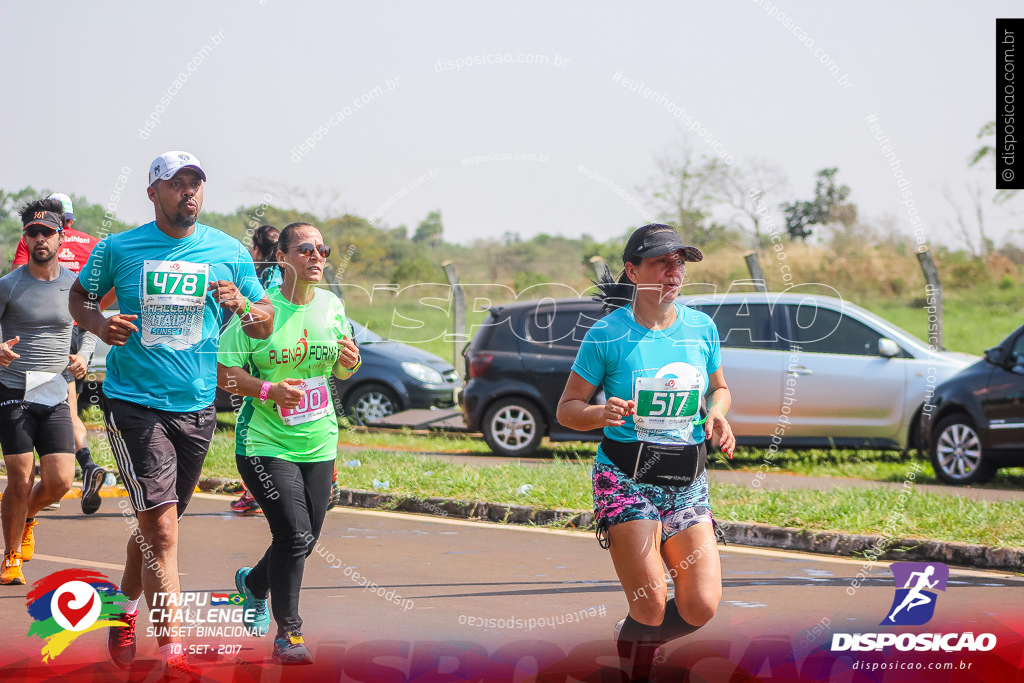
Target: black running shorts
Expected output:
[160,454]
[25,427]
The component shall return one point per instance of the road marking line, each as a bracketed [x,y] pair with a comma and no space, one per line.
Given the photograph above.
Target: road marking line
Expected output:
[77,562]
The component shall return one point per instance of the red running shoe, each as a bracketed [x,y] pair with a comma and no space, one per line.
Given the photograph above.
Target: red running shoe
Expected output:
[246,504]
[121,642]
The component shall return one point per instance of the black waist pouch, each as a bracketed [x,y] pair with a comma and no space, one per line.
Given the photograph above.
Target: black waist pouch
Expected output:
[659,464]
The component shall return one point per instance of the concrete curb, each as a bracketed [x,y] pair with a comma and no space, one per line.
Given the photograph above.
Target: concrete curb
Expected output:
[742,533]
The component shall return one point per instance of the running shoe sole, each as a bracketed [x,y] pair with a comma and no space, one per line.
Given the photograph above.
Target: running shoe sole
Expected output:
[92,482]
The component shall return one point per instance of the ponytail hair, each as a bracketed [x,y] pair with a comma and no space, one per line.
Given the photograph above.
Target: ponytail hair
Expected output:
[613,293]
[265,242]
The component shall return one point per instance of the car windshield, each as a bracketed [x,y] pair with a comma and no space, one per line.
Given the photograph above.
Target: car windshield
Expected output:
[365,335]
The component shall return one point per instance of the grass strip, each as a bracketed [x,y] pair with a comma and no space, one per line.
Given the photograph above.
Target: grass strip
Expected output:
[564,482]
[869,510]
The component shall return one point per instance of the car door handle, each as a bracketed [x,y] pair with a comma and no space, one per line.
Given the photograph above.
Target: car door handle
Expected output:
[800,370]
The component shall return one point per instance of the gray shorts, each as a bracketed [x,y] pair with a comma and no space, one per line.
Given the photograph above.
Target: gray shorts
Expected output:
[160,453]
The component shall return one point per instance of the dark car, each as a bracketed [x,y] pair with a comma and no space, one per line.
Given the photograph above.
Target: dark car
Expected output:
[392,378]
[784,354]
[976,420]
[516,368]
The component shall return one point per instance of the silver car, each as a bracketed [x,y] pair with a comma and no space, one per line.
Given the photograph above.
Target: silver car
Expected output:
[818,371]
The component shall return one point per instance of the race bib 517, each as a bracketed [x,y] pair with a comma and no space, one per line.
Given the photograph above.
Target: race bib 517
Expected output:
[665,402]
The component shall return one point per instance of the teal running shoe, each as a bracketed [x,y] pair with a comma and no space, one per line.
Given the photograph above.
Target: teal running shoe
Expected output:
[260,623]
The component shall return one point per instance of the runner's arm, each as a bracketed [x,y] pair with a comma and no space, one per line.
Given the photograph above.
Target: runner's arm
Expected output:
[88,346]
[575,412]
[84,309]
[237,381]
[348,358]
[260,323]
[108,299]
[718,405]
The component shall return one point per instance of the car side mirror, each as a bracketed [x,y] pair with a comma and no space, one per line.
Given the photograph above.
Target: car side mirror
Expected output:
[994,355]
[887,348]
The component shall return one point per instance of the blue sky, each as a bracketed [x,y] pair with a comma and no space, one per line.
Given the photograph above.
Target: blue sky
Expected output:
[497,146]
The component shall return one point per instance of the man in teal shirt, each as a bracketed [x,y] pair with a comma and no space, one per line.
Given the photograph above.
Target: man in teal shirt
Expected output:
[172,277]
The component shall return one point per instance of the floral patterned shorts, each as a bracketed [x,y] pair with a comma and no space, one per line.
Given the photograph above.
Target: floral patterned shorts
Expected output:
[618,499]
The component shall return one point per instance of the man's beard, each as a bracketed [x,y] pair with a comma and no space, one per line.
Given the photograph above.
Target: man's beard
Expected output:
[35,258]
[183,221]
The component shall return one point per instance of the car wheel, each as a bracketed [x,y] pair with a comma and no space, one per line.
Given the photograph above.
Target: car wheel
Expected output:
[513,426]
[956,452]
[371,402]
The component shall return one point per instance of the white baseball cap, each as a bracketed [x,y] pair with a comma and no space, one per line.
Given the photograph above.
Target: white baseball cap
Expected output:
[165,166]
[69,208]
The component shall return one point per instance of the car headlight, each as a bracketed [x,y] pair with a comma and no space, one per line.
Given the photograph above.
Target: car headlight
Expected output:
[425,374]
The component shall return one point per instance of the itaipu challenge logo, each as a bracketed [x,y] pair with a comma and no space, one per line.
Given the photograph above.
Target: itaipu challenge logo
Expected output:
[67,604]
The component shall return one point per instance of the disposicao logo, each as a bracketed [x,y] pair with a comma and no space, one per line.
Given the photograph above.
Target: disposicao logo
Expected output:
[914,605]
[67,604]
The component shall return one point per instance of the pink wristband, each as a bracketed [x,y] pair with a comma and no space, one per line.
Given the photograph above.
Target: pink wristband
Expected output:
[265,391]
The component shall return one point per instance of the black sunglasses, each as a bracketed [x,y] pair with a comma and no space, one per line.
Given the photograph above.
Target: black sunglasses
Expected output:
[307,249]
[35,231]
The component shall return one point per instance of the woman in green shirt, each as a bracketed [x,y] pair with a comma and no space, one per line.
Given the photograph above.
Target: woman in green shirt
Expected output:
[287,433]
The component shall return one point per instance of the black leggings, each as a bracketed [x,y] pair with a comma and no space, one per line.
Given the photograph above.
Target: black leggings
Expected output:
[294,498]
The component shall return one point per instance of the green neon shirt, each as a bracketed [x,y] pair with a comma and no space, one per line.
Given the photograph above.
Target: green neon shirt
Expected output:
[304,345]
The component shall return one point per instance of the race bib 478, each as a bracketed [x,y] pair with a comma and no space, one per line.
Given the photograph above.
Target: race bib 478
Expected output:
[173,303]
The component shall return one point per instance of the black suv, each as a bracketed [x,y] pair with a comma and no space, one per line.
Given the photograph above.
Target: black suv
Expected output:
[516,368]
[977,417]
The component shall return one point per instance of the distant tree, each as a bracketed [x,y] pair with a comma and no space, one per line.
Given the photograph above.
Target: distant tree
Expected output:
[982,246]
[829,205]
[430,230]
[743,188]
[684,190]
[417,269]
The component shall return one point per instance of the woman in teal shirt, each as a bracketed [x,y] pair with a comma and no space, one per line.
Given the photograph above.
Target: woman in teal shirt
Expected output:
[660,366]
[287,433]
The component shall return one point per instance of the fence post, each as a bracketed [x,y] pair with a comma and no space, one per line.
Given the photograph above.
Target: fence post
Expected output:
[933,289]
[756,274]
[458,335]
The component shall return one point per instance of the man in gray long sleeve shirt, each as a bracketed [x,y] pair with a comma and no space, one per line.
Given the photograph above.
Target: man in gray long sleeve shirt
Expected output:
[35,327]
[74,252]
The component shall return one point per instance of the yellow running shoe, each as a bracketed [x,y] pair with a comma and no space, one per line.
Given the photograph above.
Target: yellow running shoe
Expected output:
[28,541]
[11,572]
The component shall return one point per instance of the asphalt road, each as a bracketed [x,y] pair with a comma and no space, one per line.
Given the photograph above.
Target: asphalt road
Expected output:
[455,600]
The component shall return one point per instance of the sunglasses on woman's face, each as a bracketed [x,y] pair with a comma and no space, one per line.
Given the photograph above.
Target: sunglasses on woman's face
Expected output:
[307,250]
